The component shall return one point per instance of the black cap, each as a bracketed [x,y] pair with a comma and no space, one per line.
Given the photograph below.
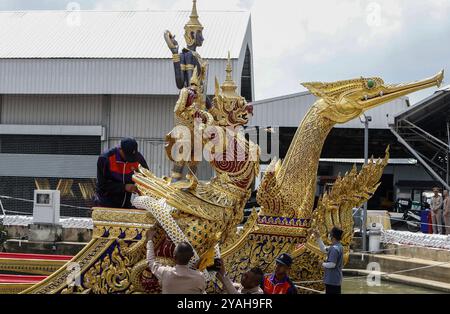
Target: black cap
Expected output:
[284,259]
[129,147]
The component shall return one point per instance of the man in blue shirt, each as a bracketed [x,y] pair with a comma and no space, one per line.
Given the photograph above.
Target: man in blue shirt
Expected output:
[335,260]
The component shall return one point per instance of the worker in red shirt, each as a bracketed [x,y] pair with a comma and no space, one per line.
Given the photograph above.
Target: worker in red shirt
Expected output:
[279,282]
[115,169]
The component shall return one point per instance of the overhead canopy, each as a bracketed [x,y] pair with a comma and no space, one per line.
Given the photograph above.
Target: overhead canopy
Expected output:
[431,114]
[424,130]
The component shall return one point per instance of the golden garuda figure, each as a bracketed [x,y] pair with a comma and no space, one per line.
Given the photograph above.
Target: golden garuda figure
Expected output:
[191,119]
[189,66]
[207,215]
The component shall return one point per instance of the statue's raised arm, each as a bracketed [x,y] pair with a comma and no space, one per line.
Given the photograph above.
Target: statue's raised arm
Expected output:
[188,59]
[173,46]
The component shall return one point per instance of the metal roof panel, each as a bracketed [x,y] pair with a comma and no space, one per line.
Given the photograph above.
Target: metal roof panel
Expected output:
[115,34]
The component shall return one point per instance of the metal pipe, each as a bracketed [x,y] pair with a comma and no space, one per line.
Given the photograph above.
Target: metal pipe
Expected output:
[2,208]
[366,161]
[448,153]
[427,134]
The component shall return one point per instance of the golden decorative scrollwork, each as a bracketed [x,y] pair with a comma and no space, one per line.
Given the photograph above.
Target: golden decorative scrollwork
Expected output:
[114,261]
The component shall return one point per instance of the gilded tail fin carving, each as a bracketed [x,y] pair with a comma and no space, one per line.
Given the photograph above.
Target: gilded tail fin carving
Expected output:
[335,208]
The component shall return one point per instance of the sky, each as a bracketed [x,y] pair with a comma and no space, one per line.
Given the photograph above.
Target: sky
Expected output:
[298,41]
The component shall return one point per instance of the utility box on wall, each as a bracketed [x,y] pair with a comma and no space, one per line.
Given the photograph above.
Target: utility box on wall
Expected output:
[46,207]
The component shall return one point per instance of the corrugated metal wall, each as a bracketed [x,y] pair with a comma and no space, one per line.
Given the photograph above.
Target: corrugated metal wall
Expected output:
[141,116]
[288,111]
[381,115]
[98,76]
[148,119]
[47,166]
[51,109]
[283,111]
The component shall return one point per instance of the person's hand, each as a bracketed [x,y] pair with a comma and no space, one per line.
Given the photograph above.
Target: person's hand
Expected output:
[221,270]
[446,213]
[131,188]
[315,233]
[151,233]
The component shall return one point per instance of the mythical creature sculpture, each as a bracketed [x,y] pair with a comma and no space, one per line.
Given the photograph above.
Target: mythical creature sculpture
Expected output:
[191,119]
[214,208]
[207,215]
[189,65]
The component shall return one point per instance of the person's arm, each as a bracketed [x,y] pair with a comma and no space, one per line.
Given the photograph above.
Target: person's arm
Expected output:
[436,203]
[157,269]
[323,248]
[104,183]
[152,264]
[332,259]
[227,284]
[202,284]
[316,234]
[143,162]
[329,265]
[292,289]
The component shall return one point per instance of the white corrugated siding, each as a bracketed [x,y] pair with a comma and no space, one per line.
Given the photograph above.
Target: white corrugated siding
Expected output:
[288,111]
[141,116]
[99,76]
[51,110]
[155,155]
[153,152]
[148,119]
[283,111]
[39,165]
[109,34]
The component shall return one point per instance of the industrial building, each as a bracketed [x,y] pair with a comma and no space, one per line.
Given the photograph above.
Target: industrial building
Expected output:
[405,176]
[73,86]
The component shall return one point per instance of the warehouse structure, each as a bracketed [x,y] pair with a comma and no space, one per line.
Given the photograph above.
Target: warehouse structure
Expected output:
[344,146]
[73,86]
